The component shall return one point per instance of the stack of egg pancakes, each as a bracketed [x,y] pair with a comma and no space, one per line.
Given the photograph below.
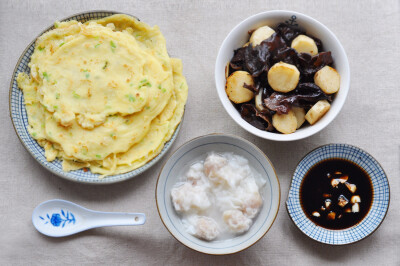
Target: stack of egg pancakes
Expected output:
[103,95]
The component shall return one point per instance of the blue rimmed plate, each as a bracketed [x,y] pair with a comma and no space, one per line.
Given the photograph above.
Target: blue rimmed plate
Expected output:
[380,201]
[196,150]
[20,120]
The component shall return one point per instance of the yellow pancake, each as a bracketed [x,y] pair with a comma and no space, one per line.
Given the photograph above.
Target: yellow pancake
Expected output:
[104,94]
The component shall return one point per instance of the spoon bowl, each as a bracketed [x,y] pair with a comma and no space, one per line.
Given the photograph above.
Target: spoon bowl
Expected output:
[57,218]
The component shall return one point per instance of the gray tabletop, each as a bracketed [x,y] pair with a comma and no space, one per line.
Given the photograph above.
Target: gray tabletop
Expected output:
[194,30]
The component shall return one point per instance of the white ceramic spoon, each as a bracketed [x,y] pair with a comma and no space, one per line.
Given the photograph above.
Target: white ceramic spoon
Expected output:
[58,218]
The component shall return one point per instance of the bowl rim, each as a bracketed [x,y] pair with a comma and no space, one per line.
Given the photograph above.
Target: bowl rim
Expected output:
[105,181]
[311,130]
[239,139]
[339,230]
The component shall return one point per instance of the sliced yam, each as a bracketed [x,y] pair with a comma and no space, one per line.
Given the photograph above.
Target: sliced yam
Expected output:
[283,77]
[261,34]
[304,44]
[285,123]
[258,101]
[227,70]
[235,89]
[300,114]
[328,79]
[317,111]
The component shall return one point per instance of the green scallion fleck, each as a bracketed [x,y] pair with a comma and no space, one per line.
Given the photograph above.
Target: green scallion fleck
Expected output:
[34,134]
[55,107]
[61,44]
[41,48]
[76,96]
[130,97]
[97,45]
[105,65]
[113,45]
[57,95]
[45,76]
[144,82]
[87,75]
[98,156]
[163,90]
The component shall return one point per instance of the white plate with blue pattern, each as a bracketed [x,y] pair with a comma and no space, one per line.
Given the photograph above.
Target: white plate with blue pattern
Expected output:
[20,120]
[196,150]
[372,220]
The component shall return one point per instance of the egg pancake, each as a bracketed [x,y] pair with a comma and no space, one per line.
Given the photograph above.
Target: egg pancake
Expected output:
[104,95]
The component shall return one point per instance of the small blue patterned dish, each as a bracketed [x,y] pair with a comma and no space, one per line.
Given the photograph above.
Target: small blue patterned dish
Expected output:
[380,200]
[20,120]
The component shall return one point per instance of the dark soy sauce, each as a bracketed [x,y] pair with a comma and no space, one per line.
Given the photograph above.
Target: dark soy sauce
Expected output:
[316,187]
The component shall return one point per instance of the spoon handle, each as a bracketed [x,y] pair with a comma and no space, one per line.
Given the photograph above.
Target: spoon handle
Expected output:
[100,219]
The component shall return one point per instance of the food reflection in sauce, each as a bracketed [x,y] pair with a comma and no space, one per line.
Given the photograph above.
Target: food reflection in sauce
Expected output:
[336,194]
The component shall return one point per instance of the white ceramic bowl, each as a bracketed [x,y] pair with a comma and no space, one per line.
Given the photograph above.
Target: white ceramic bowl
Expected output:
[239,36]
[196,150]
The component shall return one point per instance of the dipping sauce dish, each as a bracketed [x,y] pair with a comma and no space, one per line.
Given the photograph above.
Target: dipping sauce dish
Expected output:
[336,194]
[361,170]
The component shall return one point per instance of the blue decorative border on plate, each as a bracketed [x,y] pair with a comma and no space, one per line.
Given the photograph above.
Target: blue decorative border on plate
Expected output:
[377,211]
[20,120]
